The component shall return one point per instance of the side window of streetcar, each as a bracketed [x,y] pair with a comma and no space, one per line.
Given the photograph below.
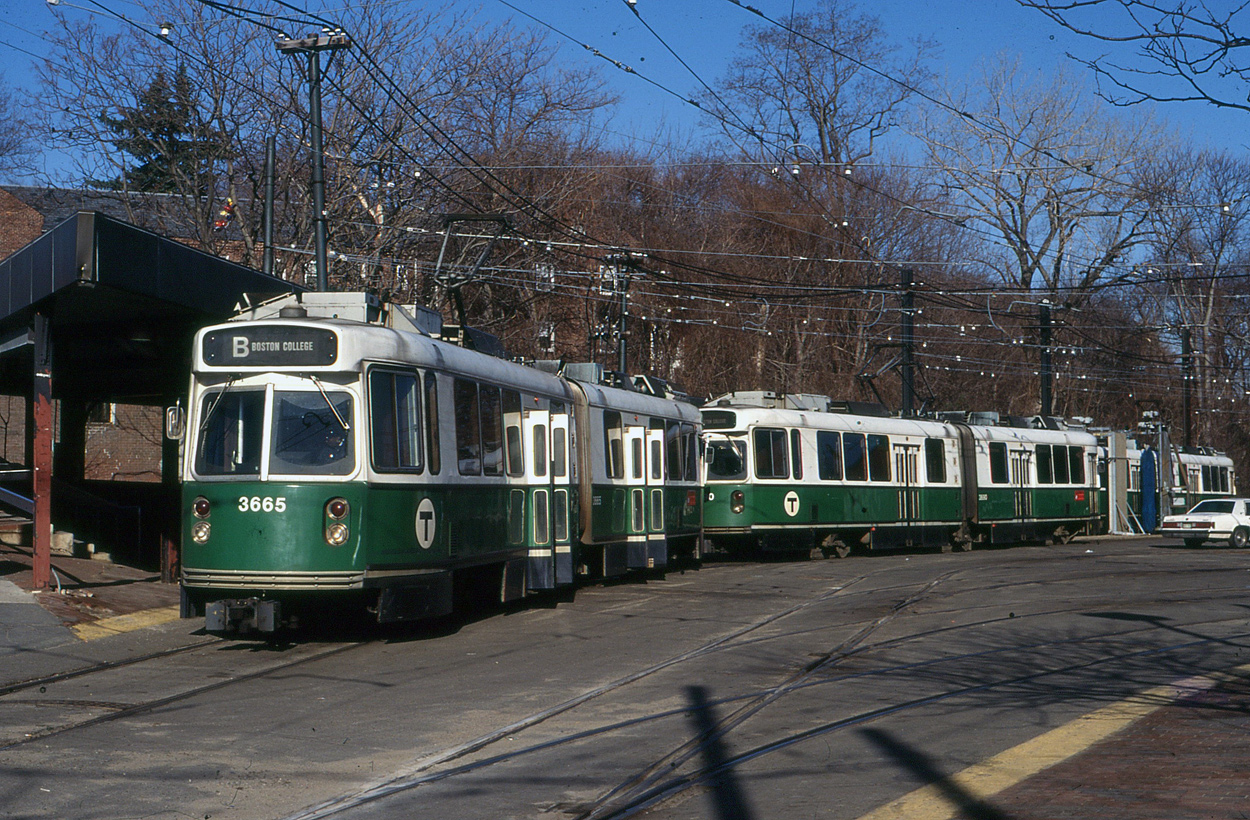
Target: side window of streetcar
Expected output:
[1060,464]
[796,453]
[1044,475]
[1076,465]
[559,444]
[492,431]
[468,443]
[395,420]
[998,462]
[855,455]
[879,458]
[829,455]
[512,422]
[935,460]
[691,435]
[674,447]
[431,423]
[540,451]
[770,453]
[613,444]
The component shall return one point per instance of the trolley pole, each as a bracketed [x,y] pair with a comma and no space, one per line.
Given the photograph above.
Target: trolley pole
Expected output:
[908,364]
[313,45]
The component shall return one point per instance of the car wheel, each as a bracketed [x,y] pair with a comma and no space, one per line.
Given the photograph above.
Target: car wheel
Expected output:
[1240,538]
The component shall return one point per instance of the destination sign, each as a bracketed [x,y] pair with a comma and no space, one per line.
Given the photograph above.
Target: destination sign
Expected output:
[271,346]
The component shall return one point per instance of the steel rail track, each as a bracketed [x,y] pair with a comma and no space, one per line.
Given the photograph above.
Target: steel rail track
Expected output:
[119,711]
[624,796]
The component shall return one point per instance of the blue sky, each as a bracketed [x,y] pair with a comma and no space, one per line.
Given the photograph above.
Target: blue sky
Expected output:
[703,33]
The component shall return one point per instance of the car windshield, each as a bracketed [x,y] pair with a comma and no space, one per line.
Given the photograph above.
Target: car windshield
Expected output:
[726,459]
[1213,507]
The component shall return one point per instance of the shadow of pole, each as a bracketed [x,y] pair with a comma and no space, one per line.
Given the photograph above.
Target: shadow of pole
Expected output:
[728,800]
[969,806]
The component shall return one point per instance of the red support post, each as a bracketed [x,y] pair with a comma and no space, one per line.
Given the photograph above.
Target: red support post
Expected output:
[41,457]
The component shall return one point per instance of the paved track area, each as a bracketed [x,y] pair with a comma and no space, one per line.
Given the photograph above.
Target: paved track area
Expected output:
[1104,678]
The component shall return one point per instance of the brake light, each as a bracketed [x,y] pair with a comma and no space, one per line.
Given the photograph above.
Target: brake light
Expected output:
[338,508]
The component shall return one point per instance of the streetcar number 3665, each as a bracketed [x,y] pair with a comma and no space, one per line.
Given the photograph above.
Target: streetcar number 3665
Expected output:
[257,504]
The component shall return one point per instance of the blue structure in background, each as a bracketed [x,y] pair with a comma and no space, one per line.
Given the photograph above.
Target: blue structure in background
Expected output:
[1149,490]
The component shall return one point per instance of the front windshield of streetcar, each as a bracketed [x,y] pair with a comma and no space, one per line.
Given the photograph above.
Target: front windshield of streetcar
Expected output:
[309,438]
[726,459]
[310,435]
[231,431]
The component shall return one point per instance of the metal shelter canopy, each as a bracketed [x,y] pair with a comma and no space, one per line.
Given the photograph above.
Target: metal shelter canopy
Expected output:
[123,305]
[99,310]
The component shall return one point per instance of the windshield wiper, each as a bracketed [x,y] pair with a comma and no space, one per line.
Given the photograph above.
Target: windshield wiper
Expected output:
[213,407]
[329,403]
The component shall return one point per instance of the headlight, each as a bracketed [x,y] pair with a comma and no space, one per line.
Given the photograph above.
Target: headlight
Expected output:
[737,502]
[201,531]
[336,534]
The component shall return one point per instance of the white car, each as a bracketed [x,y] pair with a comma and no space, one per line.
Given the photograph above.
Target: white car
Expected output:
[1222,519]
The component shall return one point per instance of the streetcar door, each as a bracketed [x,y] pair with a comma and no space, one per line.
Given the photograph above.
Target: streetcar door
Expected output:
[906,465]
[1021,473]
[636,479]
[563,493]
[536,430]
[657,540]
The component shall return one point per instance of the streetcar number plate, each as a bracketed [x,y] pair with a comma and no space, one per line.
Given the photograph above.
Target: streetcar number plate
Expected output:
[256,503]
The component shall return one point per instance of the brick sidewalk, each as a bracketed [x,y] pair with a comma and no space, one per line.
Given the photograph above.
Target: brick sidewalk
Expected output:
[1186,761]
[89,590]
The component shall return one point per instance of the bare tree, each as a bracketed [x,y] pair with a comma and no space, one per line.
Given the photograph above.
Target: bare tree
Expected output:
[16,152]
[829,79]
[1201,218]
[1177,52]
[1050,177]
[405,136]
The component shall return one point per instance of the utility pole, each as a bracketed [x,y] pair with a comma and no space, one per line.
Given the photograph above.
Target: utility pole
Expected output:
[620,339]
[1043,315]
[313,45]
[1187,366]
[271,160]
[909,385]
[622,266]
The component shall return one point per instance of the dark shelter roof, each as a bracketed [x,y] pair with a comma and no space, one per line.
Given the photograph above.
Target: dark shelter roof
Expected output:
[124,305]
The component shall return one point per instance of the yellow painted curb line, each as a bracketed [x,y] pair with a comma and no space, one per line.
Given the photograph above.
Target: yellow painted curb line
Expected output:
[986,779]
[118,624]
